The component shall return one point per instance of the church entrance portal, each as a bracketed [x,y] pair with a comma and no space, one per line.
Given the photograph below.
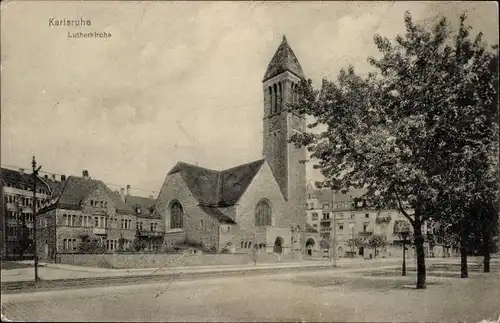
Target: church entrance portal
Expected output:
[278,245]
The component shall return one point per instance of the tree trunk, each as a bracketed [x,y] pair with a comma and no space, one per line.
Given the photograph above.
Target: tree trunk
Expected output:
[419,246]
[486,262]
[487,242]
[487,250]
[463,253]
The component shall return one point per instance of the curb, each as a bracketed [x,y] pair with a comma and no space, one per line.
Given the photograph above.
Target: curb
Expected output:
[43,285]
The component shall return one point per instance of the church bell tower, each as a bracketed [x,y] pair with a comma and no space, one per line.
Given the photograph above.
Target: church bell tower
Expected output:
[279,84]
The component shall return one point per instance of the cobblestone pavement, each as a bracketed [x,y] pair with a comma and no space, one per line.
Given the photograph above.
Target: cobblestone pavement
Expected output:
[312,296]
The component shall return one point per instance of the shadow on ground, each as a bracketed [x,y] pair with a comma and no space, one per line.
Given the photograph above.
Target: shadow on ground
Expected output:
[359,282]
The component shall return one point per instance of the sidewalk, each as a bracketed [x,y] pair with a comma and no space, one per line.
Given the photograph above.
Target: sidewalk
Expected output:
[61,271]
[51,271]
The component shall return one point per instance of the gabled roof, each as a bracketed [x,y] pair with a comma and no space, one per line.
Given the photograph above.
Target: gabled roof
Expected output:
[217,188]
[16,177]
[55,187]
[283,60]
[146,205]
[76,189]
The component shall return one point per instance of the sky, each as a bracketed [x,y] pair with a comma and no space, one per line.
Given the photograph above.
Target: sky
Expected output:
[176,81]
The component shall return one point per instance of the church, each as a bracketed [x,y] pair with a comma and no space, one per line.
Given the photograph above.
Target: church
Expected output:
[258,205]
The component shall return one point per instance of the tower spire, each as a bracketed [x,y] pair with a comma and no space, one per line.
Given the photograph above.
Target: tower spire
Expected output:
[283,60]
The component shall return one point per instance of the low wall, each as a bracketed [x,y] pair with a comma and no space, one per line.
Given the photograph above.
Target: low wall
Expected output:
[148,260]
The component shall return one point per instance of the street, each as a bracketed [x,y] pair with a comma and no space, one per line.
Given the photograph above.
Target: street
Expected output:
[310,296]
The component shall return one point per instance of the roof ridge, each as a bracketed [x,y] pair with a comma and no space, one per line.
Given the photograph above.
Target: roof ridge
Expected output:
[242,165]
[218,193]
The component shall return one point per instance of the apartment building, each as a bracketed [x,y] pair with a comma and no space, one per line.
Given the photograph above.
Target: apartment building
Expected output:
[339,218]
[17,210]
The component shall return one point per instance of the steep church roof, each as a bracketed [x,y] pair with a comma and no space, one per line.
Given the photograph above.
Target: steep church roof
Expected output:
[283,60]
[217,188]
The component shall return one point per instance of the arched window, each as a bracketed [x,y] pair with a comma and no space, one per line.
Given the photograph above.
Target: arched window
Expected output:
[270,100]
[242,244]
[176,216]
[246,244]
[250,245]
[280,96]
[275,96]
[263,214]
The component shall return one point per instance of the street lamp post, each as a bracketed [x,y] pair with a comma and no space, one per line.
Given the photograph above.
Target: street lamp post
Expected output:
[404,235]
[35,252]
[334,242]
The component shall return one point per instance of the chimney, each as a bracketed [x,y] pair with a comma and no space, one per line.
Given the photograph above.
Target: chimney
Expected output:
[128,189]
[21,170]
[45,177]
[85,174]
[63,178]
[122,194]
[53,177]
[151,197]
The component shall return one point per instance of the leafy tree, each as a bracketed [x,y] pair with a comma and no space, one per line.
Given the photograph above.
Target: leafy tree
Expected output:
[90,244]
[377,241]
[355,242]
[121,244]
[324,244]
[471,153]
[394,132]
[431,240]
[138,244]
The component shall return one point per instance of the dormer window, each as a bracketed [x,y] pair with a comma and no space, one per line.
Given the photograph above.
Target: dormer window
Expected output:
[138,209]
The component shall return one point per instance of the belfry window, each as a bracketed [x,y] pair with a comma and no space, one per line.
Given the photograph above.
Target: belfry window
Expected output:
[275,98]
[270,100]
[280,97]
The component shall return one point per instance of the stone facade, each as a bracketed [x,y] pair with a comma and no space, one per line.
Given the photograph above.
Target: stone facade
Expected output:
[262,188]
[98,214]
[197,225]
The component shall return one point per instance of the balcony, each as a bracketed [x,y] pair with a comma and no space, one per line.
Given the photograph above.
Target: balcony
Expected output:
[366,233]
[326,220]
[99,231]
[150,234]
[325,229]
[383,220]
